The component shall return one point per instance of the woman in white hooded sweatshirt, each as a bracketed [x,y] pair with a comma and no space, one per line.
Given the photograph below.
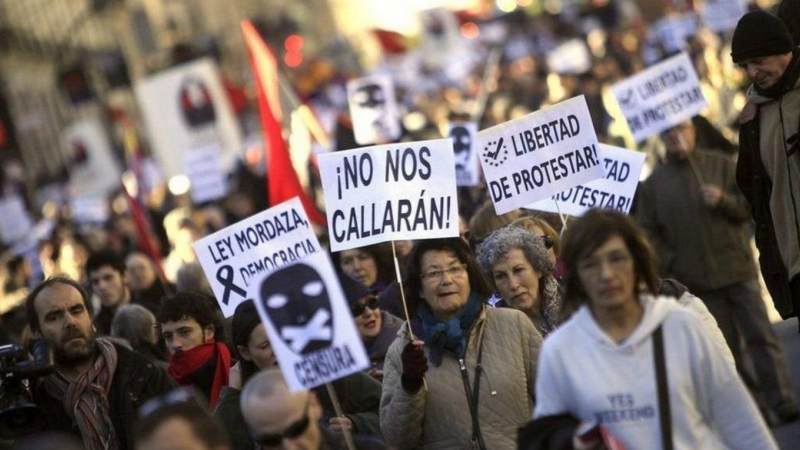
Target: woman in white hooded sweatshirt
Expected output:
[599,365]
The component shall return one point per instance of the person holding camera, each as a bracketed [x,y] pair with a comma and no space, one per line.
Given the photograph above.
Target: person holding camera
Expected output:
[97,386]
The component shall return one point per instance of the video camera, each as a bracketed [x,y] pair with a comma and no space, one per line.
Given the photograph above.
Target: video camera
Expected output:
[19,415]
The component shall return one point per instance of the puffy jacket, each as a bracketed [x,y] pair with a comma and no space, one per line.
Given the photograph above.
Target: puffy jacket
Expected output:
[439,417]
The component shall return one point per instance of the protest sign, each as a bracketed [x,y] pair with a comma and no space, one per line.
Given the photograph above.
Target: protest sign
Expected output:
[390,192]
[571,57]
[236,255]
[93,171]
[539,155]
[90,210]
[373,109]
[723,15]
[203,167]
[15,222]
[309,324]
[614,191]
[660,97]
[186,108]
[673,30]
[467,164]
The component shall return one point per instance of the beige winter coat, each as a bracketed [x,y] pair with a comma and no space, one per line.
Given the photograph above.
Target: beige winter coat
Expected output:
[439,418]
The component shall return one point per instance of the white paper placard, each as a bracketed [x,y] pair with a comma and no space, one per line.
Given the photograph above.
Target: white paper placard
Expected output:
[93,171]
[723,15]
[88,209]
[660,97]
[614,191]
[185,108]
[373,109]
[204,169]
[238,254]
[571,57]
[308,321]
[466,157]
[539,155]
[390,192]
[15,222]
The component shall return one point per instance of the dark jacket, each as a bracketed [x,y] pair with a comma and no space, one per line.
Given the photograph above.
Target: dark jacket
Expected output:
[135,381]
[756,185]
[376,350]
[704,248]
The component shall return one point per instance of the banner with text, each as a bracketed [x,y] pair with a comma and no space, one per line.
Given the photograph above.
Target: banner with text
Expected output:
[309,324]
[539,155]
[234,256]
[614,191]
[390,192]
[660,97]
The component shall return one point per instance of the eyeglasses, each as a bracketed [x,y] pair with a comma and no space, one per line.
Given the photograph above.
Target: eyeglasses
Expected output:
[438,275]
[547,241]
[593,266]
[358,309]
[171,398]
[294,430]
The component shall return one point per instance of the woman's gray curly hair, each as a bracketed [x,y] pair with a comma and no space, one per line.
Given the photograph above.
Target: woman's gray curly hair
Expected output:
[503,240]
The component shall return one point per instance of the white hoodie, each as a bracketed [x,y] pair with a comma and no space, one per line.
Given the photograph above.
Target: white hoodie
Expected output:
[584,372]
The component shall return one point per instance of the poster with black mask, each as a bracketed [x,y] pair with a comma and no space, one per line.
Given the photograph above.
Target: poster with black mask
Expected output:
[467,164]
[373,109]
[308,322]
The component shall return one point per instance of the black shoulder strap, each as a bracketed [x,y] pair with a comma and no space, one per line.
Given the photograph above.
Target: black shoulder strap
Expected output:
[663,388]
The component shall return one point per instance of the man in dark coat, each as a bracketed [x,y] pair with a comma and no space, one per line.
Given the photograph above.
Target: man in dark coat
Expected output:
[97,386]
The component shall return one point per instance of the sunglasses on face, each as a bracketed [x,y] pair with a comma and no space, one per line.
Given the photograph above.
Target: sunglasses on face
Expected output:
[358,308]
[547,241]
[294,430]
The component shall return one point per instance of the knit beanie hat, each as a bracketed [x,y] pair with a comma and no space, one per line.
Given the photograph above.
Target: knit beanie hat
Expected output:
[759,34]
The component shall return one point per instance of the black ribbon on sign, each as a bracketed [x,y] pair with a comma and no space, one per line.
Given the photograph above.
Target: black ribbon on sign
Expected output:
[225,276]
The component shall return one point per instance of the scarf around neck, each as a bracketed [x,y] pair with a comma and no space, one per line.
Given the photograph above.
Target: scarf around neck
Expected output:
[85,398]
[183,365]
[786,82]
[450,335]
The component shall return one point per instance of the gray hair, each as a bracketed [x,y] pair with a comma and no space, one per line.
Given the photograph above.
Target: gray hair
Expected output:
[505,239]
[134,323]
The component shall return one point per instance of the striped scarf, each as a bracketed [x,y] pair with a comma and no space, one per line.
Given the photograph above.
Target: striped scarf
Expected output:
[85,399]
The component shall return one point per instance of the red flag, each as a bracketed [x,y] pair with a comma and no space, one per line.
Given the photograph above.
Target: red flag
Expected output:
[282,181]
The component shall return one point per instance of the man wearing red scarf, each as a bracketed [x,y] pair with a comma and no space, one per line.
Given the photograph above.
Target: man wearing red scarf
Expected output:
[191,326]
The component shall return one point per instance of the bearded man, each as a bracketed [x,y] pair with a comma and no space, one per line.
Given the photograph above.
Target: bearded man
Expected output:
[97,386]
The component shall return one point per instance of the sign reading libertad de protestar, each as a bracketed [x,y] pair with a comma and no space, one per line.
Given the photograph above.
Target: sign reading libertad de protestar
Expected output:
[660,97]
[539,155]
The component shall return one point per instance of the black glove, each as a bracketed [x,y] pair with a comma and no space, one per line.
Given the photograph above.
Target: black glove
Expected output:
[415,364]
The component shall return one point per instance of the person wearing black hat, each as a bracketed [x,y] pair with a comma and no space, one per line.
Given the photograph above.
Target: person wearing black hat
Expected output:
[768,169]
[377,329]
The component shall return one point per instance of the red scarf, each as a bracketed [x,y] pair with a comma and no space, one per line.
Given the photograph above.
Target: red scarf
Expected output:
[183,365]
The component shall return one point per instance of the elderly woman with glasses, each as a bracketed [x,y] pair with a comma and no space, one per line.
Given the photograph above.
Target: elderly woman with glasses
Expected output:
[377,329]
[459,374]
[600,366]
[517,264]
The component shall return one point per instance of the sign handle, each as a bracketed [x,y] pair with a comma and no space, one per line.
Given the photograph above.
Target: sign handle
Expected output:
[563,218]
[405,306]
[483,94]
[348,439]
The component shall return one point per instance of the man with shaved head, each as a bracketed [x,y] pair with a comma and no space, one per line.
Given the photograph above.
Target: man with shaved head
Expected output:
[279,418]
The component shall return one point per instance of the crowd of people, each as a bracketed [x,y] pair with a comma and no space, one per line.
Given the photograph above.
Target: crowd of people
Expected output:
[527,331]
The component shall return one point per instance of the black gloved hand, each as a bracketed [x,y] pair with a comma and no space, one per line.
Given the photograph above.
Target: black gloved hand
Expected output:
[415,364]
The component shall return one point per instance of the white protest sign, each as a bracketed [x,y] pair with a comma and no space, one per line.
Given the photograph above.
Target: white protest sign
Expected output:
[660,97]
[539,155]
[15,222]
[185,108]
[309,324]
[236,255]
[466,157]
[723,15]
[373,109]
[615,191]
[571,57]
[88,209]
[204,169]
[93,171]
[673,31]
[390,192]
